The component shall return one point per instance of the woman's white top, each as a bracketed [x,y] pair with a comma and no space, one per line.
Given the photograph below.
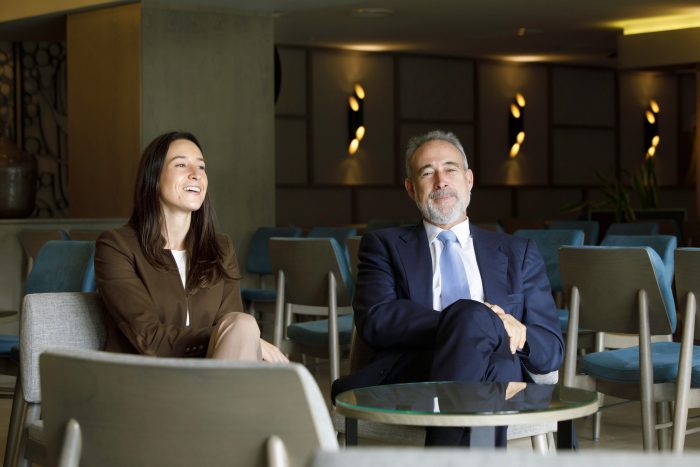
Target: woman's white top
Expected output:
[181,261]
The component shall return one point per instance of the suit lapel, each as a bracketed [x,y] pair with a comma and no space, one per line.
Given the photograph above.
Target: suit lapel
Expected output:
[415,256]
[493,265]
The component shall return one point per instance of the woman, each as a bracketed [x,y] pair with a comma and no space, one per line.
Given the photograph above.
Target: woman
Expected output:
[169,282]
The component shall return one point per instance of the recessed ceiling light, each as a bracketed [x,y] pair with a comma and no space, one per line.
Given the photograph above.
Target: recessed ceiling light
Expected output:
[371,12]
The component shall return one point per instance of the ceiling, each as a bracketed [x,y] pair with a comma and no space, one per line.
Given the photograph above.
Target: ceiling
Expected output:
[533,30]
[582,31]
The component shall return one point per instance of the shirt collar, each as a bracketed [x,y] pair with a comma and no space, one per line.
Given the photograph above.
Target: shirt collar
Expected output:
[461,230]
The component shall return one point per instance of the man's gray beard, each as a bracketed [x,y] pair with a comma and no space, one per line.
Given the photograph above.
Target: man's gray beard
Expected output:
[433,215]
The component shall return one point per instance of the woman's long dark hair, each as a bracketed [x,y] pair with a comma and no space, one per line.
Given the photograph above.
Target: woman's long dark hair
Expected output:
[206,259]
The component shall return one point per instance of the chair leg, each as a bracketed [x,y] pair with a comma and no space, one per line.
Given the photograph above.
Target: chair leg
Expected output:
[663,416]
[33,413]
[539,443]
[14,430]
[551,443]
[646,374]
[680,409]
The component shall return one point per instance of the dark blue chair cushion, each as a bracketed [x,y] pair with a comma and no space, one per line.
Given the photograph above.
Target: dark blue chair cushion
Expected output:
[633,228]
[7,343]
[663,245]
[258,295]
[622,365]
[548,243]
[590,229]
[63,266]
[563,318]
[315,333]
[258,258]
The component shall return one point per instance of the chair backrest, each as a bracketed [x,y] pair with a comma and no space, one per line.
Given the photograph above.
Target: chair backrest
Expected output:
[258,258]
[63,266]
[353,253]
[609,279]
[663,245]
[688,279]
[57,320]
[33,239]
[633,228]
[340,234]
[306,263]
[590,229]
[549,242]
[137,410]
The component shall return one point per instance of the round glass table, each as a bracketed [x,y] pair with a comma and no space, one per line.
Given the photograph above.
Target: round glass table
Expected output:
[466,405]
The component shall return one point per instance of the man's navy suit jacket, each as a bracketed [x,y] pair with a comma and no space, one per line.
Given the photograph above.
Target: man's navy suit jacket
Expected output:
[393,302]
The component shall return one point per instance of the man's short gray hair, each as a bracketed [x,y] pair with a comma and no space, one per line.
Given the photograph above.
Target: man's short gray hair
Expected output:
[435,135]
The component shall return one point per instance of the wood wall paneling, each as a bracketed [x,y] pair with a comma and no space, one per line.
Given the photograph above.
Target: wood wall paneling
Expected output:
[546,203]
[686,129]
[334,76]
[583,96]
[436,89]
[314,207]
[578,120]
[577,153]
[498,84]
[104,110]
[384,203]
[636,90]
[490,204]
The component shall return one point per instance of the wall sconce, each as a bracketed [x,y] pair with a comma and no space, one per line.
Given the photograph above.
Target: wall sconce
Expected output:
[516,124]
[356,121]
[651,129]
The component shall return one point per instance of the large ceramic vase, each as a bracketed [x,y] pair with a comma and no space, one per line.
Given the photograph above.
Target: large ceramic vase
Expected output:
[18,172]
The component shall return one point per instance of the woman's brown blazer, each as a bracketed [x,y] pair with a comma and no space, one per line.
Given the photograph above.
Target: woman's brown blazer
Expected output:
[147,307]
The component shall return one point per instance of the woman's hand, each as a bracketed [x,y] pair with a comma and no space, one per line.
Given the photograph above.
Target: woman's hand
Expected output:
[271,354]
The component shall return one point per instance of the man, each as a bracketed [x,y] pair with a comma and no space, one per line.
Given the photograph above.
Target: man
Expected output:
[467,305]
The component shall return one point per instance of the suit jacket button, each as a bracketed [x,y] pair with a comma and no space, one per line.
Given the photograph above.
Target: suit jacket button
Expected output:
[187,349]
[201,347]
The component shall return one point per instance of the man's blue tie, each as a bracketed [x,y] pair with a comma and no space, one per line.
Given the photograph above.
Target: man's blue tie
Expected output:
[453,277]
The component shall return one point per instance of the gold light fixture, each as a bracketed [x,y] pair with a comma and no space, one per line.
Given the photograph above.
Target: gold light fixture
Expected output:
[651,129]
[516,124]
[356,124]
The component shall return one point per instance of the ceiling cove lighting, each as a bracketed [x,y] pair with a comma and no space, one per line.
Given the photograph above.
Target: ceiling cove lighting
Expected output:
[651,129]
[659,23]
[516,124]
[356,123]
